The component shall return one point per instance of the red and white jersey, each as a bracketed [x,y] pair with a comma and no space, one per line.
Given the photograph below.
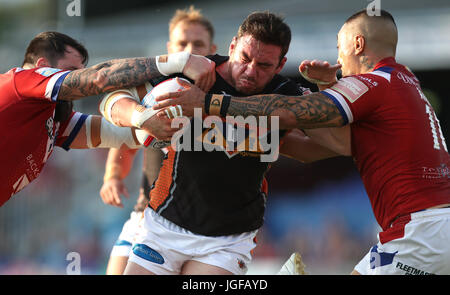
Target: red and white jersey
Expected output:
[397,142]
[29,132]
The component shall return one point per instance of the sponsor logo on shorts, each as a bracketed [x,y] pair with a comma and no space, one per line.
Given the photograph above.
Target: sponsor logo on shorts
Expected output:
[147,253]
[378,259]
[409,270]
[351,88]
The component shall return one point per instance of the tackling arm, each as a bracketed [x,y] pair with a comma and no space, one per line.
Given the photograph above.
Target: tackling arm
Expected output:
[298,146]
[314,110]
[96,132]
[130,72]
[108,76]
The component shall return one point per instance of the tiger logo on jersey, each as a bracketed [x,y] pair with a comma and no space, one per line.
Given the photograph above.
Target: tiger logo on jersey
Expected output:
[234,140]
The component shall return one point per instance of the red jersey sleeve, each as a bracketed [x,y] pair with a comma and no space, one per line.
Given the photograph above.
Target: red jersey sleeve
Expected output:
[41,83]
[69,129]
[358,97]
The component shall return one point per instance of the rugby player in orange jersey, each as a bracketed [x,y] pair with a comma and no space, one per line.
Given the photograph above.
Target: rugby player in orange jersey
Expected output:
[189,31]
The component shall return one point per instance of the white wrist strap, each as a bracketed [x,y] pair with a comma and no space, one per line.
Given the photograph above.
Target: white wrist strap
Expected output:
[109,100]
[111,136]
[114,137]
[141,114]
[311,80]
[172,63]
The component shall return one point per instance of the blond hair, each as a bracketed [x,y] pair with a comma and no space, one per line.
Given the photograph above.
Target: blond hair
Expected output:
[191,15]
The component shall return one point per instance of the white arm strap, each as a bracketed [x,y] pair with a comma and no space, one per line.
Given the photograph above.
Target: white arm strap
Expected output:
[172,63]
[110,99]
[111,136]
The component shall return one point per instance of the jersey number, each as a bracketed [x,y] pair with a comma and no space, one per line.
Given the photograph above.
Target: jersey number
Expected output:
[434,124]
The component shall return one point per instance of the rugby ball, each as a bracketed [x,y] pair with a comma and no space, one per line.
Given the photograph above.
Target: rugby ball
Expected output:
[169,85]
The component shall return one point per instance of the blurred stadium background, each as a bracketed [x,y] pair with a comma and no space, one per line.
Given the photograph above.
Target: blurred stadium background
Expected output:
[318,209]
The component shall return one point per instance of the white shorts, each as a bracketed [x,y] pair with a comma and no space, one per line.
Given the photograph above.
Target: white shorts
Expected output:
[423,248]
[122,247]
[162,247]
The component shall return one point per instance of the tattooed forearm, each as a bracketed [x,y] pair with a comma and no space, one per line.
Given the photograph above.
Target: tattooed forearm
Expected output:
[309,111]
[108,76]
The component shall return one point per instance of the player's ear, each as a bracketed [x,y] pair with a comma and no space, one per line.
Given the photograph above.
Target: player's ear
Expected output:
[168,45]
[281,65]
[42,62]
[213,49]
[232,46]
[359,43]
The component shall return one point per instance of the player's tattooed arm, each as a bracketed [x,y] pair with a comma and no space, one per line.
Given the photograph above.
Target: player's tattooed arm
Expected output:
[108,76]
[314,110]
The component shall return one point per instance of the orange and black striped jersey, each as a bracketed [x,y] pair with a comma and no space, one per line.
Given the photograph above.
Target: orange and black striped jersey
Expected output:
[216,192]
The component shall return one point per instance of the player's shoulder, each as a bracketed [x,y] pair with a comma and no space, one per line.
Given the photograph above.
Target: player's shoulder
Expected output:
[381,75]
[14,71]
[388,74]
[355,86]
[9,75]
[377,80]
[218,59]
[37,74]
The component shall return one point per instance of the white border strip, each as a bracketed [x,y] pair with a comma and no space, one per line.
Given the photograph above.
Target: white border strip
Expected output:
[51,84]
[343,103]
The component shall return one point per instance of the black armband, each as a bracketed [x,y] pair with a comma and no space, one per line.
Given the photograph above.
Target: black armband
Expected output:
[63,110]
[217,104]
[207,102]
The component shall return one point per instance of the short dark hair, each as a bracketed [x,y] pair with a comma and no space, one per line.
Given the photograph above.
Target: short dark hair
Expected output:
[267,28]
[52,46]
[383,14]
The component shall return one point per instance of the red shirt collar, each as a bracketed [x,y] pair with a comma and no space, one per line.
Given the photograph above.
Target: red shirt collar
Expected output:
[388,61]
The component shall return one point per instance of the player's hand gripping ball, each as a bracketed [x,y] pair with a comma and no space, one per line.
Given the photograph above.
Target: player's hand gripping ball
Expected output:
[169,85]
